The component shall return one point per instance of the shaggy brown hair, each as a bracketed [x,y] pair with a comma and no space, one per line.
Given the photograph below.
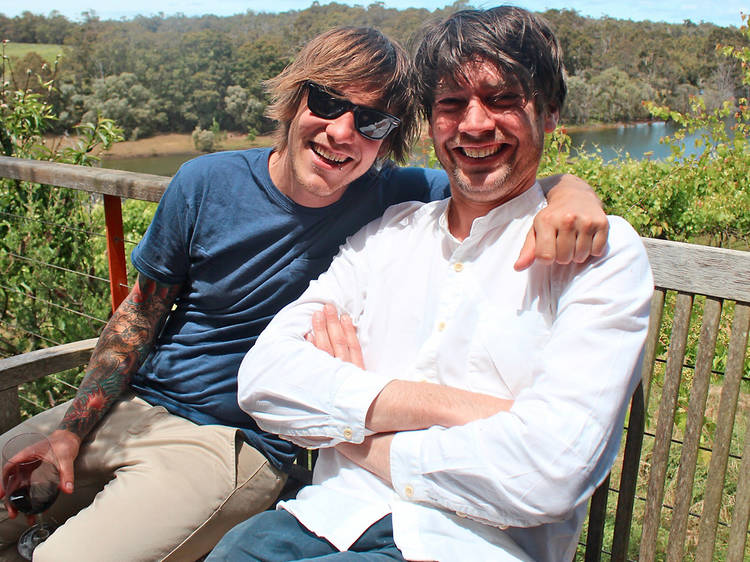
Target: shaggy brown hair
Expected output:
[519,44]
[350,57]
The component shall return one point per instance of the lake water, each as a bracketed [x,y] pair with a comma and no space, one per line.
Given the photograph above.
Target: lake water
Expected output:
[159,165]
[639,141]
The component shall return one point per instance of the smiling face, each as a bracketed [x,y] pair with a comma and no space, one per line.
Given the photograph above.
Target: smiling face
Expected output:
[487,136]
[323,156]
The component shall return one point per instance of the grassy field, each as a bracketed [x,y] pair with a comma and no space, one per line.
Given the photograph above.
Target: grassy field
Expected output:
[46,51]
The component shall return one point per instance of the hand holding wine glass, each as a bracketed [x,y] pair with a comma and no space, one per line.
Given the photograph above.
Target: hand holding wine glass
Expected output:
[30,484]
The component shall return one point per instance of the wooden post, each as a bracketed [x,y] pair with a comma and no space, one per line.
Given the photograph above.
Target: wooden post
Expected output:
[9,416]
[118,277]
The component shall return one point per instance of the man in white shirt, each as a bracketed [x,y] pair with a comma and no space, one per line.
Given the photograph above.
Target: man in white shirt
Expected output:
[492,401]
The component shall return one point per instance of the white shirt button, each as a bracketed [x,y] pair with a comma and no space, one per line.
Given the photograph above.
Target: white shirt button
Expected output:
[458,267]
[408,491]
[347,433]
[441,326]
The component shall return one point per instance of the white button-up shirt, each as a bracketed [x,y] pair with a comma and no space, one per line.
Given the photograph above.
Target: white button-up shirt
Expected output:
[562,341]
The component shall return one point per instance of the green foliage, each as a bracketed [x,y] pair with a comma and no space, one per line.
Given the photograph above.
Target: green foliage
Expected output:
[609,96]
[125,100]
[204,139]
[44,238]
[247,111]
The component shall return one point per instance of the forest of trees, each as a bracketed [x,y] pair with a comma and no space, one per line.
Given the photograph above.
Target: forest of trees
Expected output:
[173,74]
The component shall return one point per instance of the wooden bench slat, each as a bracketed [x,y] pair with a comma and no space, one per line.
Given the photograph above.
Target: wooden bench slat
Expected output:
[741,513]
[727,407]
[691,439]
[631,463]
[703,270]
[652,340]
[597,517]
[665,422]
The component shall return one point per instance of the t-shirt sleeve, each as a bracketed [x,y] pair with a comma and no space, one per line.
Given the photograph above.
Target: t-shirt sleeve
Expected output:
[417,184]
[163,253]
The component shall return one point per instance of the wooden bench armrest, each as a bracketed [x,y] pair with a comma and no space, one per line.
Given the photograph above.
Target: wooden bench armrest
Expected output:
[34,365]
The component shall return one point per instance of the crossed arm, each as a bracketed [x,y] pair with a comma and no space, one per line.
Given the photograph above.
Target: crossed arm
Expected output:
[560,435]
[401,405]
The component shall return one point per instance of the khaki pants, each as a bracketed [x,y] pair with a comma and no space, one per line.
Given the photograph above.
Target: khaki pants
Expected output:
[149,486]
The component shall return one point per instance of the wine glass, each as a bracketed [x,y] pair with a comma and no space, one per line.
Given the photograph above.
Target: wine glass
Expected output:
[31,480]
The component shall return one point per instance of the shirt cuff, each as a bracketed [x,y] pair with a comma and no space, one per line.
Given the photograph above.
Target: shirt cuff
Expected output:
[406,472]
[352,401]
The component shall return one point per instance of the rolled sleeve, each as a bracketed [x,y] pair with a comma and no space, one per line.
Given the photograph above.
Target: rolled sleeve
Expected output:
[406,470]
[352,401]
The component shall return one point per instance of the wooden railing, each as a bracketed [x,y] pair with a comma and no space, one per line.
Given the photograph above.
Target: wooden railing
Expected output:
[113,185]
[702,295]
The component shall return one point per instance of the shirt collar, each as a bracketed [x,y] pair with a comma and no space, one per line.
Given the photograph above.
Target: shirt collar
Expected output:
[528,203]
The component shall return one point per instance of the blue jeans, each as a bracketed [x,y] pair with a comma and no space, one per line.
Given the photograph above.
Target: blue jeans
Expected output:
[276,536]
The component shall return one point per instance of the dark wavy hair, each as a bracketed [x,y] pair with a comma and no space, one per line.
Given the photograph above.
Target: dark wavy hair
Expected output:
[359,57]
[519,43]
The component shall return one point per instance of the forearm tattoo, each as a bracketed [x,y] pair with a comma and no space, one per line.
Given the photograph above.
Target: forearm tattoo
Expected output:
[123,345]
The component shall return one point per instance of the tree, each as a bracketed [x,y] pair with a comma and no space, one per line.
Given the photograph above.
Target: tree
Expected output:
[618,97]
[579,101]
[247,111]
[125,100]
[260,60]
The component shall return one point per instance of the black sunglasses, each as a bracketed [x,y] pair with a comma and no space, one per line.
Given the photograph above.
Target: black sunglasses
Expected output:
[370,123]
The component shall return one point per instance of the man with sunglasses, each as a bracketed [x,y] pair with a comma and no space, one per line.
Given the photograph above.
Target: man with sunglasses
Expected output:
[485,404]
[155,434]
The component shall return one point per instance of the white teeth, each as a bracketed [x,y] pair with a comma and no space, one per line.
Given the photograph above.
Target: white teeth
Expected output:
[338,158]
[480,152]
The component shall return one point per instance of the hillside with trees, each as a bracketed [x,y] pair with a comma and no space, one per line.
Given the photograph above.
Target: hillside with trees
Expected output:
[172,74]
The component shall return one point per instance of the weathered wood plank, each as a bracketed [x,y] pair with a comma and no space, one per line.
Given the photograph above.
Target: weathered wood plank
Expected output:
[597,517]
[720,453]
[36,364]
[9,412]
[629,477]
[704,270]
[662,441]
[691,439]
[741,512]
[130,185]
[652,340]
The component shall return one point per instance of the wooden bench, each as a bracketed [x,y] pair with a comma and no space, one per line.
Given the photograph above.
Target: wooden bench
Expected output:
[702,294]
[695,373]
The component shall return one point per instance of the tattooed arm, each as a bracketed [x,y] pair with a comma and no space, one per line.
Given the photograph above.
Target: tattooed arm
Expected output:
[123,345]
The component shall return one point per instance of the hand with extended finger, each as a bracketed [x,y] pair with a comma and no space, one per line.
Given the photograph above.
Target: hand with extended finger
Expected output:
[571,228]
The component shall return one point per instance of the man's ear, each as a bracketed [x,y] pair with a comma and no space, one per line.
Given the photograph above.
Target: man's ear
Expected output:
[550,119]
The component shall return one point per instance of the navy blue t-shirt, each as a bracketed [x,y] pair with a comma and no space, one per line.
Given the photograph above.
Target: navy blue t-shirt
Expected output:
[242,251]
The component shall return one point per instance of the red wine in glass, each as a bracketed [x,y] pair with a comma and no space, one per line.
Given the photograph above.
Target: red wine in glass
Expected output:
[31,481]
[35,498]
